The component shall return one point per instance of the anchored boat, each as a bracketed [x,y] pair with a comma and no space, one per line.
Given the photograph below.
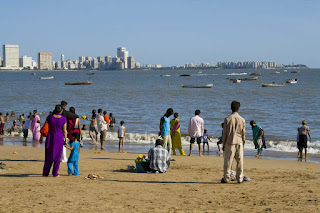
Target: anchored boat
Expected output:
[78,83]
[198,86]
[272,85]
[46,78]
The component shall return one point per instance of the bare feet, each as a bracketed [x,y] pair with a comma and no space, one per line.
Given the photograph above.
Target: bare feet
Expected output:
[102,148]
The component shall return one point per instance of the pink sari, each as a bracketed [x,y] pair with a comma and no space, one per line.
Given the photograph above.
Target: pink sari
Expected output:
[35,128]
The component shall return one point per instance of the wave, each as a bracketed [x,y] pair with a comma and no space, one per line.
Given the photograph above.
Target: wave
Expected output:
[272,145]
[234,73]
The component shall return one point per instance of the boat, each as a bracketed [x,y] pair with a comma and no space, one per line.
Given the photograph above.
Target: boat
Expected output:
[276,72]
[34,74]
[292,81]
[90,73]
[297,71]
[256,74]
[200,72]
[46,78]
[244,79]
[198,86]
[185,75]
[236,81]
[272,85]
[165,75]
[78,83]
[285,70]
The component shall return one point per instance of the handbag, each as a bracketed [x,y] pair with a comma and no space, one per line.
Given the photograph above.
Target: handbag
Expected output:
[44,130]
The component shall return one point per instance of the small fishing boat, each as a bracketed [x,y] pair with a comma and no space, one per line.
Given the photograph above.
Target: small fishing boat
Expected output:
[78,83]
[200,72]
[198,86]
[185,75]
[297,71]
[90,73]
[272,85]
[292,81]
[256,74]
[34,74]
[236,81]
[165,75]
[285,70]
[276,72]
[46,78]
[244,79]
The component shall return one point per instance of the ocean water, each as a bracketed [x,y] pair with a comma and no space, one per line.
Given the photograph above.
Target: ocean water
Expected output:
[140,98]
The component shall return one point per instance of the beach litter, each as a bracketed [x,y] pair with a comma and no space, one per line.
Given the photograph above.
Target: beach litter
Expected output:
[97,152]
[93,177]
[3,167]
[15,152]
[309,168]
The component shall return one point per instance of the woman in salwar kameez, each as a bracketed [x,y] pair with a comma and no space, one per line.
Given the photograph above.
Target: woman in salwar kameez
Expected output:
[176,135]
[35,126]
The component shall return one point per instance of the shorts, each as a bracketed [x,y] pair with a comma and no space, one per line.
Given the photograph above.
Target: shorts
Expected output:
[120,137]
[205,142]
[219,141]
[194,139]
[303,141]
[93,129]
[103,135]
[25,133]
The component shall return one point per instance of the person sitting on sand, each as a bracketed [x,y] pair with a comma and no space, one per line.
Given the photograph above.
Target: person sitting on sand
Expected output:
[303,139]
[158,159]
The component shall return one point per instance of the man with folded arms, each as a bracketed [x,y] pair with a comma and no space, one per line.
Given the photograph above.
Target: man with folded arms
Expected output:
[233,140]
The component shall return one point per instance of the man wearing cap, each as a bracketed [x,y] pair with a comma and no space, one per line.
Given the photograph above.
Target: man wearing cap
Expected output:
[233,139]
[303,139]
[257,133]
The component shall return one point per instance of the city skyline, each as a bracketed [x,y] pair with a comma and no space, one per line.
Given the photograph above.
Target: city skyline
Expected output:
[186,32]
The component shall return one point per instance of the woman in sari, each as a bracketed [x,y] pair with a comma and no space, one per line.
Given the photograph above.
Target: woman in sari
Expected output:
[35,126]
[176,135]
[56,138]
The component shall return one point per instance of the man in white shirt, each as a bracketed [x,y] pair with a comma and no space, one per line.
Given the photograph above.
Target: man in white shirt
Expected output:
[195,130]
[102,128]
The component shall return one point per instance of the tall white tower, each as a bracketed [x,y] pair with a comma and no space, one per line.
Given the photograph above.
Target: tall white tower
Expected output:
[123,54]
[11,56]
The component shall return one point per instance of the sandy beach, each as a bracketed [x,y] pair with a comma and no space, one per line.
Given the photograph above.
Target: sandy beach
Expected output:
[192,184]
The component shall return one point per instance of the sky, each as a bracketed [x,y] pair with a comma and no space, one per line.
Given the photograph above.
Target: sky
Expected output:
[167,32]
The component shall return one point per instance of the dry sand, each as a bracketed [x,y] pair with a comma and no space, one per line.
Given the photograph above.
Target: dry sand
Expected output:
[192,184]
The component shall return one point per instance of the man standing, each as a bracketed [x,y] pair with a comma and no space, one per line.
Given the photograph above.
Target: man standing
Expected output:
[257,133]
[165,130]
[195,130]
[303,139]
[102,128]
[233,139]
[1,124]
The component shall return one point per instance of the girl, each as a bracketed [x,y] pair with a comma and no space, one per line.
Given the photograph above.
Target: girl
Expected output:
[74,155]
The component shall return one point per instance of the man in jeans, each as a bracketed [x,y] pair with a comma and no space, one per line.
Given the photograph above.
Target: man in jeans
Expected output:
[195,130]
[165,130]
[233,139]
[102,128]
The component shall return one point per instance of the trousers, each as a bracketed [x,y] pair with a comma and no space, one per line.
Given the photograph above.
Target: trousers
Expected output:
[75,169]
[167,144]
[230,153]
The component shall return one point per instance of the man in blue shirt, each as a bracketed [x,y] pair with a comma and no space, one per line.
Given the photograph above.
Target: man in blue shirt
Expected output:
[165,130]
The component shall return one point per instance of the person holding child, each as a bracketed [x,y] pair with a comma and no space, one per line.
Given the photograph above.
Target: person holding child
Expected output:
[73,160]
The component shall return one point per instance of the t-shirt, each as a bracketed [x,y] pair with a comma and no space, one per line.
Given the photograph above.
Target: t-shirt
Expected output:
[106,118]
[255,131]
[27,124]
[205,137]
[74,155]
[121,130]
[165,130]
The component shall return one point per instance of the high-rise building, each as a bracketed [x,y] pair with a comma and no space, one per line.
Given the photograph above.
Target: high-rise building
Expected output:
[100,59]
[0,62]
[82,59]
[131,64]
[25,62]
[123,54]
[95,63]
[11,56]
[45,61]
[108,59]
[62,58]
[58,65]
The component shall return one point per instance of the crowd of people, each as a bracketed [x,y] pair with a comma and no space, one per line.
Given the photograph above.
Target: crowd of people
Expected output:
[65,132]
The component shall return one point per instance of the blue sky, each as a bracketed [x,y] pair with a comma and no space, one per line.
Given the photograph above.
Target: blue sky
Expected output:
[166,32]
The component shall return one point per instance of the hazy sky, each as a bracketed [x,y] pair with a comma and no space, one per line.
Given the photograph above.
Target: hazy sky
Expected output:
[167,32]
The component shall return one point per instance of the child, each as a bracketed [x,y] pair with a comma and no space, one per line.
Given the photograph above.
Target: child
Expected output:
[220,139]
[74,155]
[26,126]
[205,139]
[121,134]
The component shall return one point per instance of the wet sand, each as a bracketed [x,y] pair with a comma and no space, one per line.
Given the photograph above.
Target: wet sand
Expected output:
[192,184]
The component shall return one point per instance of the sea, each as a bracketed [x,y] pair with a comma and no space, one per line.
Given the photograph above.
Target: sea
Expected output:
[141,97]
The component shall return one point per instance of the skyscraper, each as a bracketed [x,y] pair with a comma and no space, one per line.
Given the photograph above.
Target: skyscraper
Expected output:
[25,62]
[45,61]
[11,56]
[131,64]
[0,62]
[62,58]
[123,54]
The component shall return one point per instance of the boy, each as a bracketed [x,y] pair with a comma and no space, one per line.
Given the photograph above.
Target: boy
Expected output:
[205,139]
[121,134]
[74,155]
[26,126]
[220,140]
